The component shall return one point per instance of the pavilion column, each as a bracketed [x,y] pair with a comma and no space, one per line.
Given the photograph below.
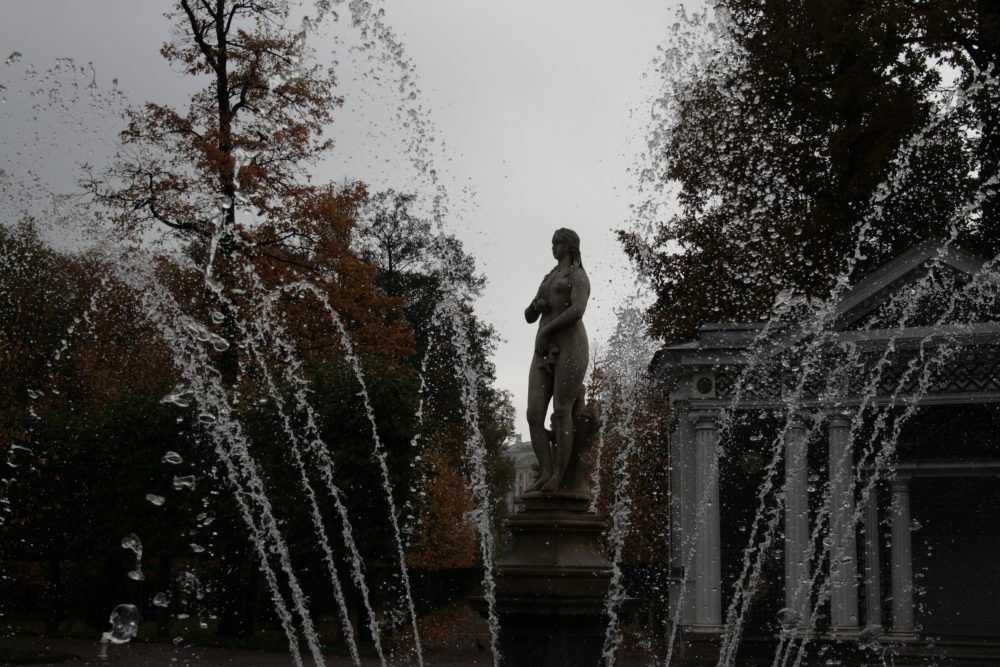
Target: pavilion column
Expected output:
[843,548]
[707,564]
[902,560]
[684,505]
[796,525]
[873,578]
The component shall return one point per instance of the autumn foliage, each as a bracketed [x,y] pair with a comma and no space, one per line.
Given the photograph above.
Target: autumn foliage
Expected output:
[445,536]
[215,204]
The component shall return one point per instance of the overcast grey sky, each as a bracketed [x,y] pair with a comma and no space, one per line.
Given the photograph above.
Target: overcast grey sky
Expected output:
[541,104]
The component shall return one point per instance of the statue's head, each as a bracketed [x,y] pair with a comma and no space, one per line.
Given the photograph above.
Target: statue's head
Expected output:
[572,241]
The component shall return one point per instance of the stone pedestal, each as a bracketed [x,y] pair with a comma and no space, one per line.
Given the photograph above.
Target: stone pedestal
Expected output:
[552,584]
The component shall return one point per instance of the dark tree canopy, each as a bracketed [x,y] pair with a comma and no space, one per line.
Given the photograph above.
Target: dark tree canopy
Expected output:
[815,124]
[434,276]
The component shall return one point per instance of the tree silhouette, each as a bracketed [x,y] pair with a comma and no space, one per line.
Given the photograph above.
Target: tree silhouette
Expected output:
[810,121]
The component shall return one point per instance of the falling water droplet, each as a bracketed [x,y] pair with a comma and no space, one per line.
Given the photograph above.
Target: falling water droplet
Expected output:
[132,543]
[197,548]
[155,499]
[124,623]
[14,57]
[176,399]
[185,482]
[788,617]
[188,581]
[173,458]
[161,600]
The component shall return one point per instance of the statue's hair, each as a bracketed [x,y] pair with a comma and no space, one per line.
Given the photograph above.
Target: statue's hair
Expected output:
[572,239]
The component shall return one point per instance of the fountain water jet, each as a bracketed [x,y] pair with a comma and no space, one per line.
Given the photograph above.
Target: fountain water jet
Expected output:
[188,338]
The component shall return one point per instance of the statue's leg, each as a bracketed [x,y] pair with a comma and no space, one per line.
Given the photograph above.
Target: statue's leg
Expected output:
[569,373]
[539,393]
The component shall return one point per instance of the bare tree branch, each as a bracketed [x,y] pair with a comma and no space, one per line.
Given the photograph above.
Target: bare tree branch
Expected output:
[198,32]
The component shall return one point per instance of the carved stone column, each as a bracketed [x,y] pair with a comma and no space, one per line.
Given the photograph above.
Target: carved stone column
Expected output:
[843,547]
[902,561]
[707,563]
[796,526]
[873,579]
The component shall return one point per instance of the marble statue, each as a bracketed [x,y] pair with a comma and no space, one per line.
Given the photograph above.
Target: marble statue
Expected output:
[558,367]
[552,583]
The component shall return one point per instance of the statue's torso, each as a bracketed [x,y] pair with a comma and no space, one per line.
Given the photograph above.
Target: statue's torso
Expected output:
[557,290]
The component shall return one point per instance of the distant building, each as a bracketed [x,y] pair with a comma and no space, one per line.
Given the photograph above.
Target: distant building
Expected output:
[522,456]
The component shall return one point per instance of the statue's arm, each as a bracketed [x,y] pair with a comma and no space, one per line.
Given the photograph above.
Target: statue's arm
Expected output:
[531,314]
[535,309]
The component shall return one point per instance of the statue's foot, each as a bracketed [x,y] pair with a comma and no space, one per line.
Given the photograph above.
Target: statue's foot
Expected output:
[554,483]
[539,483]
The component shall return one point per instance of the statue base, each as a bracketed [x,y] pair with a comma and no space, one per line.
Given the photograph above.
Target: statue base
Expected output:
[552,585]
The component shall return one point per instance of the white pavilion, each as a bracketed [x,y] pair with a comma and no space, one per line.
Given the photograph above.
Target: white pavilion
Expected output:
[881,521]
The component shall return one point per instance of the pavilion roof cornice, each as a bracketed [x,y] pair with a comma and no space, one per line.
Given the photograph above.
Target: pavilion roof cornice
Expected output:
[841,403]
[967,335]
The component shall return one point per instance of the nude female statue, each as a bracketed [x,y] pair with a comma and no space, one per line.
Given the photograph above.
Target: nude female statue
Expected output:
[559,363]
